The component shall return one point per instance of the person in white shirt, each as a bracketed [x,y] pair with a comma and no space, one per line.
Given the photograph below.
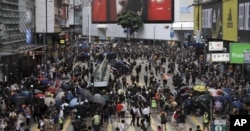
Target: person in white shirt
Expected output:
[146,113]
[122,125]
[61,113]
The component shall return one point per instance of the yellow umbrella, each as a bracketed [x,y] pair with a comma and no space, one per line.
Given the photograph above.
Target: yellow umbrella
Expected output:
[200,88]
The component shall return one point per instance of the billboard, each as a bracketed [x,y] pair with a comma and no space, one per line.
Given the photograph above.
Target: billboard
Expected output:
[244,20]
[237,51]
[215,46]
[230,20]
[217,57]
[212,20]
[151,11]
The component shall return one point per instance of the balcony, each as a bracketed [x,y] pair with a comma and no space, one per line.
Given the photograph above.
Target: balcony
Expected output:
[12,2]
[6,42]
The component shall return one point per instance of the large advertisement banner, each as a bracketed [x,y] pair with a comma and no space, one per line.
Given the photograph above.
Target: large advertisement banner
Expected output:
[230,20]
[197,18]
[212,20]
[244,20]
[99,10]
[151,11]
[237,51]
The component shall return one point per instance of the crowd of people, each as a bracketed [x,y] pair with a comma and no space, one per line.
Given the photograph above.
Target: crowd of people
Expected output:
[143,89]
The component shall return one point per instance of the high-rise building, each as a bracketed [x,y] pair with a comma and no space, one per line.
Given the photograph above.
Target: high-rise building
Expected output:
[17,24]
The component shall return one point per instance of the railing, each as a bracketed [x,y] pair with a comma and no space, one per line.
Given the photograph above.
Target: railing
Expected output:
[101,74]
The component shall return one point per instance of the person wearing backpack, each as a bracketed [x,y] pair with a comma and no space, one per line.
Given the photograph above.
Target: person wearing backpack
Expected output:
[163,116]
[138,115]
[132,113]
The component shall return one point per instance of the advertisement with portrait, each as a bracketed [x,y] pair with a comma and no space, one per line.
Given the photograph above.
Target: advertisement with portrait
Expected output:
[230,20]
[244,20]
[99,11]
[151,11]
[212,20]
[237,51]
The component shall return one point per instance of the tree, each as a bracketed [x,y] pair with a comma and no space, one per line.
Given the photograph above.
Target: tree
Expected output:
[130,21]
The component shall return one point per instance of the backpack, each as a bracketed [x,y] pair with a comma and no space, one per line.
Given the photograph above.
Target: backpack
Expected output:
[137,114]
[131,112]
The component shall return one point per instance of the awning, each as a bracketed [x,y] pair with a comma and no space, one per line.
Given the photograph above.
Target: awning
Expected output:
[20,49]
[101,26]
[183,25]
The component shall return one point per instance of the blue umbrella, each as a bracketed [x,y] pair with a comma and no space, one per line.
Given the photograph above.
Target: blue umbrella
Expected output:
[73,102]
[228,90]
[69,96]
[237,104]
[46,82]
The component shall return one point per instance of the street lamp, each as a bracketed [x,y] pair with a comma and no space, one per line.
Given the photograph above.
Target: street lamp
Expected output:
[89,20]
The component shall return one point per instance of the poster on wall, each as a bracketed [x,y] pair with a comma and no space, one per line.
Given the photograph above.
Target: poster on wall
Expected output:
[244,20]
[151,11]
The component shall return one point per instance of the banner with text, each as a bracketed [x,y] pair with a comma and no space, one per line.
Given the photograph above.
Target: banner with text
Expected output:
[229,20]
[244,20]
[237,50]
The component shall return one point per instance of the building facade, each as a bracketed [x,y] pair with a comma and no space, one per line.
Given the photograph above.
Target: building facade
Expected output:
[175,18]
[17,27]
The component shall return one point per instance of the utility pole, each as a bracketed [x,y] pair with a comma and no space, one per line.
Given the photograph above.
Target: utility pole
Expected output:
[89,20]
[45,35]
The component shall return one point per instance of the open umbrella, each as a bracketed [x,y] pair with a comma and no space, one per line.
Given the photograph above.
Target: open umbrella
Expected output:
[183,88]
[213,92]
[120,91]
[60,95]
[200,88]
[75,102]
[246,100]
[69,96]
[97,98]
[218,105]
[165,76]
[85,93]
[51,89]
[46,82]
[237,104]
[39,95]
[49,101]
[37,91]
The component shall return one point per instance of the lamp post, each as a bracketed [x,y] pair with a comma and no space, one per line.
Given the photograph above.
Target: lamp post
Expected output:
[89,20]
[45,35]
[154,35]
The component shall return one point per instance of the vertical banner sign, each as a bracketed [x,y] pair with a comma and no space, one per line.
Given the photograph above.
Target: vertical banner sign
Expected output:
[197,18]
[237,51]
[230,20]
[244,20]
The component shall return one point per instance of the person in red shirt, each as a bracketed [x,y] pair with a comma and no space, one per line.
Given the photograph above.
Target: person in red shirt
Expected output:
[119,109]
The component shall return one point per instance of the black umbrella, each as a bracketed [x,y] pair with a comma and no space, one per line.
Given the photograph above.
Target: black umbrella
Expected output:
[246,100]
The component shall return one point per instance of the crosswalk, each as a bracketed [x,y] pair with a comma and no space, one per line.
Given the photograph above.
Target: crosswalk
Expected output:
[191,122]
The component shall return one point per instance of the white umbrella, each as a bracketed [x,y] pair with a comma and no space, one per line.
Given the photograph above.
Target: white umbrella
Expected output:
[120,91]
[37,91]
[49,101]
[60,95]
